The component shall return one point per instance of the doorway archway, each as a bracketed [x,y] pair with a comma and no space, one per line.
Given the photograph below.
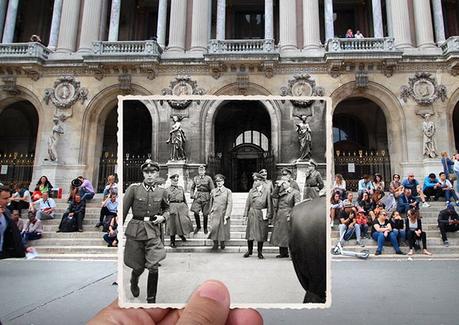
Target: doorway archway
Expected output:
[242,142]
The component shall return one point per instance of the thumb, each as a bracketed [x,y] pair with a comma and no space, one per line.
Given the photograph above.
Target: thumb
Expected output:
[209,304]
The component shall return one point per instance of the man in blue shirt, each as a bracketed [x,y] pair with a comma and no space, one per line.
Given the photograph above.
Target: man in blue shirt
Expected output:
[365,185]
[411,183]
[109,209]
[431,187]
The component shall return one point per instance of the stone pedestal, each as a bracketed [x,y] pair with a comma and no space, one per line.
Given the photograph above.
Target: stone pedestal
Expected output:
[421,168]
[58,174]
[301,168]
[177,167]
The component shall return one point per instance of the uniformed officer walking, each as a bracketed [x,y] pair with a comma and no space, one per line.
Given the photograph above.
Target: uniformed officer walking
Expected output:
[144,247]
[313,183]
[200,192]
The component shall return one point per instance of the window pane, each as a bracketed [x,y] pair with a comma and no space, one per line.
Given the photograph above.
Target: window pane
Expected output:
[264,142]
[248,137]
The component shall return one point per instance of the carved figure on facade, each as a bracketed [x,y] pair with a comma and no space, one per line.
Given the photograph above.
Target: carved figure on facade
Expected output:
[177,139]
[302,85]
[428,130]
[53,139]
[182,86]
[304,137]
[66,92]
[423,88]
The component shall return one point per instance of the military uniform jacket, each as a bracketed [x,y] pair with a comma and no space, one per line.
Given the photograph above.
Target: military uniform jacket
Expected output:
[221,203]
[314,180]
[179,222]
[257,227]
[283,206]
[145,201]
[204,184]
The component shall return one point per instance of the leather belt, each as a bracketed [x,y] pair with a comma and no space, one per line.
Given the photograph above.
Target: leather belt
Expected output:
[175,201]
[152,218]
[203,191]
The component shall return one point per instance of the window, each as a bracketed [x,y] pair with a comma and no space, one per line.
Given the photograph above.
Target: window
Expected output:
[252,137]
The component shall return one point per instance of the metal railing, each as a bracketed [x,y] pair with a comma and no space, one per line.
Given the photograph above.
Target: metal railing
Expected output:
[16,167]
[385,44]
[353,165]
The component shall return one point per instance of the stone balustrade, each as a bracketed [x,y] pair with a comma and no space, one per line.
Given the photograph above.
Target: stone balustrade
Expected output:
[133,48]
[384,44]
[241,46]
[19,51]
[450,45]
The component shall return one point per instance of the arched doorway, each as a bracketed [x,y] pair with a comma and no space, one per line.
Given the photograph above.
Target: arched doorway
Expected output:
[18,136]
[456,126]
[360,140]
[242,142]
[137,141]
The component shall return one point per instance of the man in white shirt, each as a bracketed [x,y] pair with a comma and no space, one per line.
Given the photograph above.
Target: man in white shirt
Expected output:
[33,229]
[46,207]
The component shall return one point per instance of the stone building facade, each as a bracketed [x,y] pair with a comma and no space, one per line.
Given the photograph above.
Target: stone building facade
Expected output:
[59,95]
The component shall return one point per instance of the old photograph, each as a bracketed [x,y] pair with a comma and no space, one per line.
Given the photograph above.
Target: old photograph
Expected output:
[230,188]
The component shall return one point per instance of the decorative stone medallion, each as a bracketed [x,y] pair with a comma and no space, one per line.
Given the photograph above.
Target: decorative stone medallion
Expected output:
[66,92]
[182,86]
[423,89]
[302,85]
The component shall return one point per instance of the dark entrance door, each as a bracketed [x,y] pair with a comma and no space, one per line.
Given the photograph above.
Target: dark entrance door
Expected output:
[242,143]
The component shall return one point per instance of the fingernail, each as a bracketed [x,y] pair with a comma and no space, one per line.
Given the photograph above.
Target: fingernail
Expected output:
[214,291]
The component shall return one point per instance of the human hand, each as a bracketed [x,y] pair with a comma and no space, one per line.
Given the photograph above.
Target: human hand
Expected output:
[159,219]
[209,304]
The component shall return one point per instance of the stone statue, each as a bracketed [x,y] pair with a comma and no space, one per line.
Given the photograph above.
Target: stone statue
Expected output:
[177,140]
[428,130]
[304,137]
[54,138]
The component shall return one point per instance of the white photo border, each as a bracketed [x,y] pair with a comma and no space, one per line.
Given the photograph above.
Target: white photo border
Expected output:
[122,300]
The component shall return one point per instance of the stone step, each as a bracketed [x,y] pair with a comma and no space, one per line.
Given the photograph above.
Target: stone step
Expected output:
[388,250]
[429,234]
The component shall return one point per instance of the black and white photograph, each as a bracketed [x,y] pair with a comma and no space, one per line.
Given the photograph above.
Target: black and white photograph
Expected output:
[230,188]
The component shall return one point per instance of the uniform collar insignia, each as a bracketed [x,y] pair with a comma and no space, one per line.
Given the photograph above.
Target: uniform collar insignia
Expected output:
[148,187]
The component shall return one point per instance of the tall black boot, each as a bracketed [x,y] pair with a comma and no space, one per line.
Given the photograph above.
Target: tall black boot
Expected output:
[260,250]
[205,224]
[250,247]
[135,283]
[283,252]
[215,246]
[152,286]
[173,241]
[198,223]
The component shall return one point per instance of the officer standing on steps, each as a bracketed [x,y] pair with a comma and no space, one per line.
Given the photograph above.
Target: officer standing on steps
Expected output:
[200,192]
[144,247]
[313,183]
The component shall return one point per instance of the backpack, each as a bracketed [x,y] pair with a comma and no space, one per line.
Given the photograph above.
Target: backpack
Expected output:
[69,224]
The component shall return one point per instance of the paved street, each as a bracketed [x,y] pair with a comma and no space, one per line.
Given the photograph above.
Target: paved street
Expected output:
[364,292]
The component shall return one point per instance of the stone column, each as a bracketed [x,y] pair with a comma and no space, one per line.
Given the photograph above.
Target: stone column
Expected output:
[423,22]
[10,21]
[390,29]
[3,4]
[311,29]
[377,18]
[177,28]
[438,21]
[200,26]
[287,25]
[69,26]
[90,24]
[269,19]
[329,21]
[55,23]
[221,19]
[162,22]
[114,21]
[401,23]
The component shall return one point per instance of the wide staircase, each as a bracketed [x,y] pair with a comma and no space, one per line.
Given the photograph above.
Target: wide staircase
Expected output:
[90,245]
[429,225]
